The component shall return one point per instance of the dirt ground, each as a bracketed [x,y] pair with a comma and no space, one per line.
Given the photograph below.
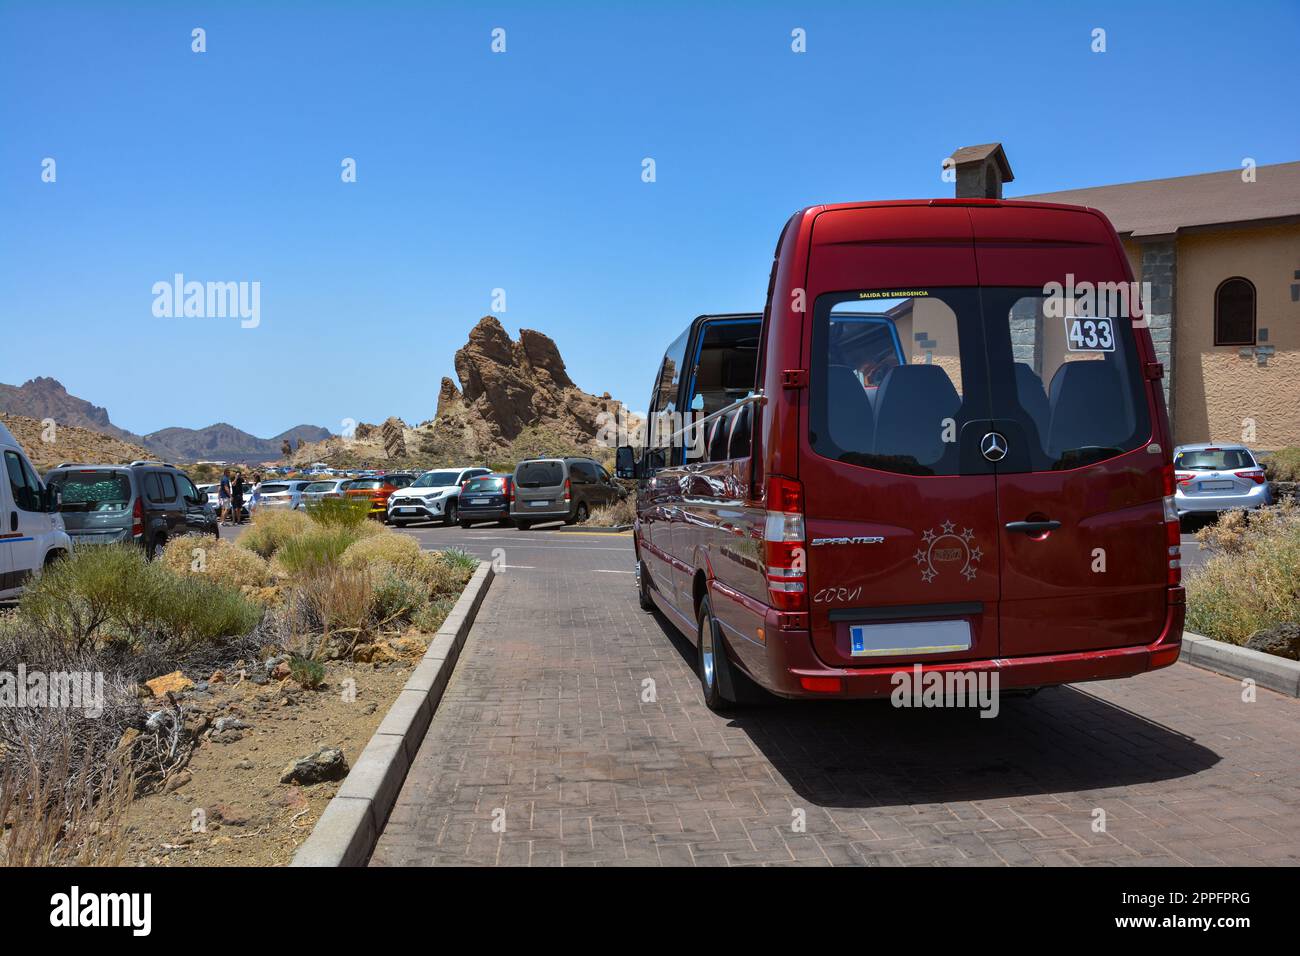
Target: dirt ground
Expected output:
[228,807]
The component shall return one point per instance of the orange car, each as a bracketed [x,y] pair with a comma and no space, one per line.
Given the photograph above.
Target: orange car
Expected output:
[378,490]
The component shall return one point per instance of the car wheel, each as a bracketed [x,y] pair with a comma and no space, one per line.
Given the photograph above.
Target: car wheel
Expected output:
[450,517]
[708,646]
[400,524]
[522,525]
[643,587]
[464,523]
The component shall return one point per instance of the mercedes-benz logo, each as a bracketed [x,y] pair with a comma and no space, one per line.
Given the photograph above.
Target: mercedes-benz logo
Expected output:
[994,446]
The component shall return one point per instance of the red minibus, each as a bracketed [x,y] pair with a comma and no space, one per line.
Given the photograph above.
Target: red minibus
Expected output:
[943,444]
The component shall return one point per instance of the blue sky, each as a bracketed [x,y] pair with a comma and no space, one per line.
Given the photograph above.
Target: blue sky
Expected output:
[522,170]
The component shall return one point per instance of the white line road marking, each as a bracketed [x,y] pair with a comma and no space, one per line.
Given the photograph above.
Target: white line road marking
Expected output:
[611,571]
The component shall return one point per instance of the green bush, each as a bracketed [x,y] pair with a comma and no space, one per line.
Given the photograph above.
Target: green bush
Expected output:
[397,596]
[431,615]
[1252,584]
[111,592]
[1283,464]
[459,559]
[309,674]
[272,530]
[318,547]
[339,512]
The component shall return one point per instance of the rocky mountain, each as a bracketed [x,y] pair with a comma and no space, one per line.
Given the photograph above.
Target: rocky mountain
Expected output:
[223,442]
[46,398]
[47,447]
[42,398]
[515,398]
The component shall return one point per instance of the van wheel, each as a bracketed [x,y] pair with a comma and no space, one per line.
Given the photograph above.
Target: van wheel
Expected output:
[643,588]
[580,514]
[450,517]
[158,545]
[709,659]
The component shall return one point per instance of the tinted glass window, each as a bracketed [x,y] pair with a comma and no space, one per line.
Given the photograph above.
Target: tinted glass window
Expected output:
[23,485]
[539,474]
[320,486]
[269,488]
[1214,459]
[485,484]
[366,484]
[436,479]
[725,365]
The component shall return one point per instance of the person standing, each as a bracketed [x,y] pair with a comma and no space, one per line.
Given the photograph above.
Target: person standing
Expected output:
[237,497]
[223,497]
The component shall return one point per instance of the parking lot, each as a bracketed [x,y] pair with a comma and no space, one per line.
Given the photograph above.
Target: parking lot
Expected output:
[573,733]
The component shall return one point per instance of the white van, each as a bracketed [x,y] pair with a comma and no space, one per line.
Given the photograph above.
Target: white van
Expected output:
[31,528]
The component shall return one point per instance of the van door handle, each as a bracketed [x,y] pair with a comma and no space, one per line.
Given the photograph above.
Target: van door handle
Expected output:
[1033,527]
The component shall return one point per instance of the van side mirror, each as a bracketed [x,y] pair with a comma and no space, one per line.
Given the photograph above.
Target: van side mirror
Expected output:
[53,500]
[624,462]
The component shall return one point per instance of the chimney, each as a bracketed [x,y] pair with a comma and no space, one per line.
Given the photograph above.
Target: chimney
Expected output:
[981,171]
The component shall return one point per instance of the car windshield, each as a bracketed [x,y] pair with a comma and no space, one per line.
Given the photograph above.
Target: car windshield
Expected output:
[436,479]
[485,484]
[93,490]
[539,474]
[1214,459]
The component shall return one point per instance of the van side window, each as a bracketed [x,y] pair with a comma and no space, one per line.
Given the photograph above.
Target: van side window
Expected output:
[23,483]
[664,415]
[726,364]
[739,442]
[153,487]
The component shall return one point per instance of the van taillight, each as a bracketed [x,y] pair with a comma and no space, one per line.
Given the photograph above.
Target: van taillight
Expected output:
[137,518]
[568,488]
[1173,533]
[1255,474]
[783,544]
[510,490]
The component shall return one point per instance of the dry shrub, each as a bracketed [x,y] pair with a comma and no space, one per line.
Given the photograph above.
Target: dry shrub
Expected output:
[68,813]
[387,549]
[1237,531]
[271,530]
[218,560]
[1283,464]
[447,572]
[318,548]
[1254,583]
[331,602]
[621,512]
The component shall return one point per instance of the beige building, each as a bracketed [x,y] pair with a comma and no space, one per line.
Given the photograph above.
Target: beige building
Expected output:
[1222,254]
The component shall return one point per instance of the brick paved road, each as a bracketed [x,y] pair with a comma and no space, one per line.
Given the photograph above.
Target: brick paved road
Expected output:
[543,721]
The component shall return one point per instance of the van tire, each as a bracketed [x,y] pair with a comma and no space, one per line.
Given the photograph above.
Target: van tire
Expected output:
[711,661]
[159,543]
[580,514]
[642,588]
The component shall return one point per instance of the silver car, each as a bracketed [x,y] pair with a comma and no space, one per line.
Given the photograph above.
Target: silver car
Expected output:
[316,490]
[1213,477]
[274,495]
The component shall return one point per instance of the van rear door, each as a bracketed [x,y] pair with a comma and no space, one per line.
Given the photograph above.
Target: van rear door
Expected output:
[900,506]
[1085,549]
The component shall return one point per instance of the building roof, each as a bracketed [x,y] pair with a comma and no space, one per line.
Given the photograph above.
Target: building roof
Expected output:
[1159,207]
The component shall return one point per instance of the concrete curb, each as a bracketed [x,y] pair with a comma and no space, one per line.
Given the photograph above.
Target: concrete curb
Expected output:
[347,831]
[1266,670]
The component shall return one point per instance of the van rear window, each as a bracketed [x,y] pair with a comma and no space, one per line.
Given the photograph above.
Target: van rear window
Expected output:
[93,491]
[539,474]
[898,375]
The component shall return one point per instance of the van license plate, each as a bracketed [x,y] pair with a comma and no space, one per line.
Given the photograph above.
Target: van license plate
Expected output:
[910,638]
[1215,485]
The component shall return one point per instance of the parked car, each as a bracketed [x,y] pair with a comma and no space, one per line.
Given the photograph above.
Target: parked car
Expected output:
[32,533]
[486,498]
[286,494]
[145,502]
[377,490]
[923,455]
[434,496]
[316,490]
[560,489]
[1212,478]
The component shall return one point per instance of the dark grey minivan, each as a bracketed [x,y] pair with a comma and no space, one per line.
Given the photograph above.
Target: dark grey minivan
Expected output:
[560,489]
[146,502]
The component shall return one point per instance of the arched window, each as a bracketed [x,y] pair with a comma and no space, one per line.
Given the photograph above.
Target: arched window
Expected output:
[1234,312]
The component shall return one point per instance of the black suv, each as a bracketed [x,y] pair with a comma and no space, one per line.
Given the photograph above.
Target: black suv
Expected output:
[147,502]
